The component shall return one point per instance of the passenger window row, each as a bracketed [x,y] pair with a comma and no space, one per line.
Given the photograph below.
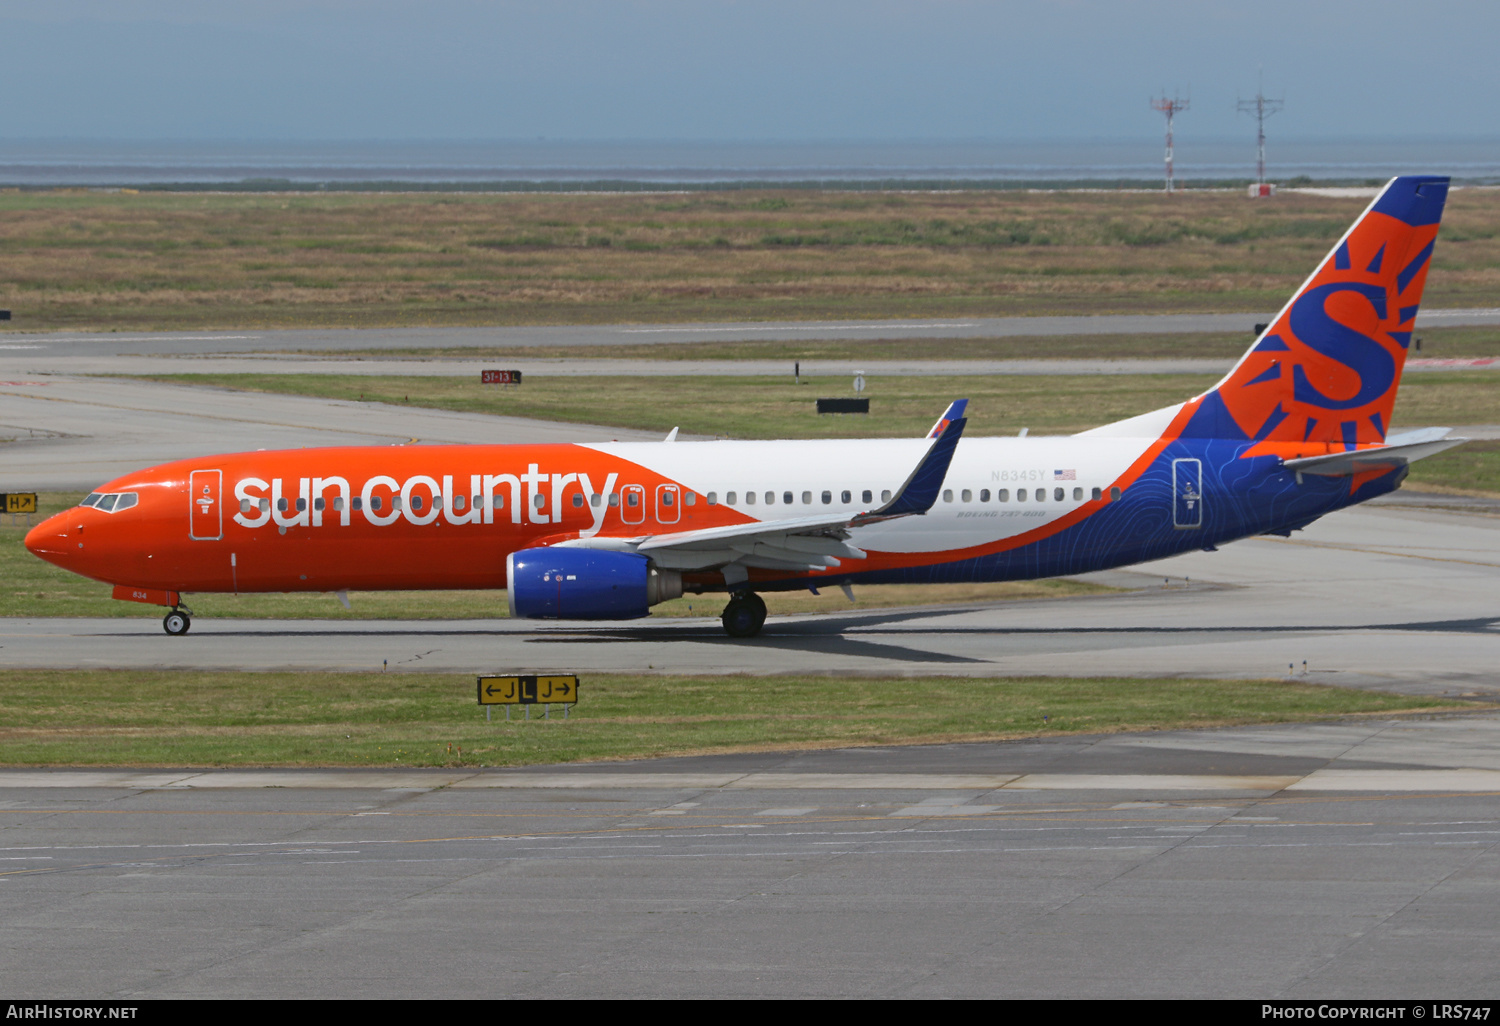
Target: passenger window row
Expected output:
[845,498]
[114,502]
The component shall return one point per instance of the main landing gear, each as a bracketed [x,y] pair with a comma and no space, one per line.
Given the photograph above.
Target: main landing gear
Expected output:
[744,616]
[177,622]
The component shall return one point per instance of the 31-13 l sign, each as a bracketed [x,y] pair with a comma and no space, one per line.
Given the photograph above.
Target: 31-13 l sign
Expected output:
[499,377]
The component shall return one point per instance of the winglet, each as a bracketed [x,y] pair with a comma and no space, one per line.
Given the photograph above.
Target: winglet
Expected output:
[954,412]
[920,490]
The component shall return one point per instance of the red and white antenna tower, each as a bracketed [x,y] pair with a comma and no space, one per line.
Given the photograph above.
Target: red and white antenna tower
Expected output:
[1170,108]
[1262,108]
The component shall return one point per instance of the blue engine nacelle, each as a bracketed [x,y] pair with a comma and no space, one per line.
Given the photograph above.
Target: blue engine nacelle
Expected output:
[585,584]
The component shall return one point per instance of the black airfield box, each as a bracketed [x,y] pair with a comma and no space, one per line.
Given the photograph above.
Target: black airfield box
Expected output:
[843,406]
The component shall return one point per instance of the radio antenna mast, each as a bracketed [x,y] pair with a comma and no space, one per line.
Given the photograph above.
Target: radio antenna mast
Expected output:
[1262,108]
[1170,108]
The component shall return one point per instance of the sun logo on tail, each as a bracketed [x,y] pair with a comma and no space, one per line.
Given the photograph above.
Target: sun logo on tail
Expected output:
[1327,368]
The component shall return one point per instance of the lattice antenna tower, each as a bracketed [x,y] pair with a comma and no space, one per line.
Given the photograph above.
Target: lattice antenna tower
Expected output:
[1171,108]
[1262,107]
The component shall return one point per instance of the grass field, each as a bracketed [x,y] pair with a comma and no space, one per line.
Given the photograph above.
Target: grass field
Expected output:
[777,408]
[182,718]
[37,588]
[103,261]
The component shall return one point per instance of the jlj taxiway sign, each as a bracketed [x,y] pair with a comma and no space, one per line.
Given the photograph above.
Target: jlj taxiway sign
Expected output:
[533,689]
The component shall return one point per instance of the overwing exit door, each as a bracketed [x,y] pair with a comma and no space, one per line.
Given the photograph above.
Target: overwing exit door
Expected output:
[207,520]
[1187,494]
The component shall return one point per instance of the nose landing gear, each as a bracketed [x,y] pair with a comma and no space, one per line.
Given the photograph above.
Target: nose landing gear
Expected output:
[744,616]
[177,622]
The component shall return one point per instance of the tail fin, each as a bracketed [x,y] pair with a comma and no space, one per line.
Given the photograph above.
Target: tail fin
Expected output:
[1327,368]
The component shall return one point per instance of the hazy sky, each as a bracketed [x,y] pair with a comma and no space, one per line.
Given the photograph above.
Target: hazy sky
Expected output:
[720,69]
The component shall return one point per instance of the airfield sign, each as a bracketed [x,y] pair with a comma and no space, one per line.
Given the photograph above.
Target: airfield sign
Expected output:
[529,689]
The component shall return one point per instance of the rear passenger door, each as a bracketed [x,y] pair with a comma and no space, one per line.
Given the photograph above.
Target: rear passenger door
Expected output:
[206,520]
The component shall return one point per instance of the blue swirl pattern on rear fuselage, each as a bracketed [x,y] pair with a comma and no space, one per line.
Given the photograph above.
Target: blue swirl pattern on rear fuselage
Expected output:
[1241,498]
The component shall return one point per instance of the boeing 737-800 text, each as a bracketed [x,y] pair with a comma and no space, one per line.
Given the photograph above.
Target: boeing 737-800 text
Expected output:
[1297,429]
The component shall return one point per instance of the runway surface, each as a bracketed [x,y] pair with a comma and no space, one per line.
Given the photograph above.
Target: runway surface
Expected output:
[336,340]
[1395,597]
[76,433]
[1315,861]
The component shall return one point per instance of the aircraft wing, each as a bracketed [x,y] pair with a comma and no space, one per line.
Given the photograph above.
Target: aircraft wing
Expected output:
[796,543]
[1403,449]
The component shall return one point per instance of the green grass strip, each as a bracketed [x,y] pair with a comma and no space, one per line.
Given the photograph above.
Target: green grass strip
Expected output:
[205,719]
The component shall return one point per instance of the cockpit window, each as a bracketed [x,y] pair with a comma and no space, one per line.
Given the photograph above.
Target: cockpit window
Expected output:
[111,502]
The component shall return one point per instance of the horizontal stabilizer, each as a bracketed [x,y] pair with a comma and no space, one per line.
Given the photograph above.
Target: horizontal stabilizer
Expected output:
[1363,461]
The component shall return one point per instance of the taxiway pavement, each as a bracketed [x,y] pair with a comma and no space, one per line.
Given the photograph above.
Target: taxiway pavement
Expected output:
[345,340]
[1351,859]
[1391,596]
[74,433]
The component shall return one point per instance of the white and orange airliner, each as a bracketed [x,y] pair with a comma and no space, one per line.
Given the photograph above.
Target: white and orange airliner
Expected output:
[1296,430]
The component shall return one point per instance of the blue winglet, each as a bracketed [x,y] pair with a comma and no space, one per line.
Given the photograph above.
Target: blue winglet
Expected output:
[955,410]
[921,489]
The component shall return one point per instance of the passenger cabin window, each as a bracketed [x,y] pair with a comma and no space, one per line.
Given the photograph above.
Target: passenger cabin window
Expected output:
[632,500]
[966,495]
[729,498]
[806,498]
[416,503]
[376,502]
[577,500]
[357,503]
[244,505]
[317,503]
[614,499]
[1020,495]
[713,498]
[785,497]
[866,496]
[846,497]
[750,498]
[827,498]
[280,505]
[1003,495]
[1077,494]
[984,495]
[1098,494]
[1041,495]
[1058,495]
[947,494]
[690,499]
[885,496]
[595,499]
[1114,495]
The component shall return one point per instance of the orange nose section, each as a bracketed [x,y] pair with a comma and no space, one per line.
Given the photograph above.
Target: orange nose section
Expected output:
[50,540]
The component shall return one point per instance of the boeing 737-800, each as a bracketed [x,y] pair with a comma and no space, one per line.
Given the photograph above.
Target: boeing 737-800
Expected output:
[1296,430]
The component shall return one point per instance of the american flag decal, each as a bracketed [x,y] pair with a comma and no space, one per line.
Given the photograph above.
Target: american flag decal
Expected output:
[1065,475]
